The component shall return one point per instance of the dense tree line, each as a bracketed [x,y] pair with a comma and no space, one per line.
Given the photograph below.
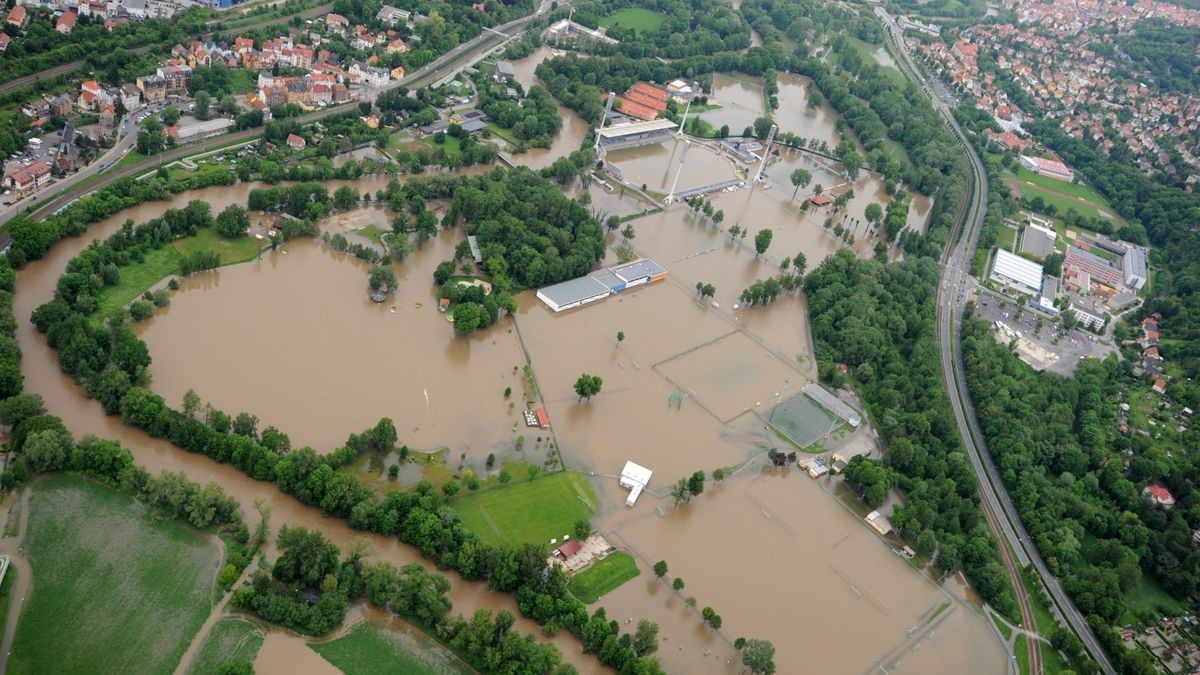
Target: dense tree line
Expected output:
[530,234]
[1056,443]
[1164,51]
[688,28]
[534,120]
[879,320]
[32,239]
[109,360]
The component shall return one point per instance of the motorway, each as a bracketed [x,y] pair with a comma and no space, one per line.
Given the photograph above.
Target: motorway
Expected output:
[76,65]
[58,195]
[998,508]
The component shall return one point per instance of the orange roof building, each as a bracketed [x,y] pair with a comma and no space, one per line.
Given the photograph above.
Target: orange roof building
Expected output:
[651,91]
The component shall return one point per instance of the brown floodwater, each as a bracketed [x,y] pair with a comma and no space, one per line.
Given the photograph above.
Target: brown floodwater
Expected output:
[657,166]
[307,351]
[82,416]
[574,129]
[741,99]
[293,339]
[286,654]
[797,116]
[840,599]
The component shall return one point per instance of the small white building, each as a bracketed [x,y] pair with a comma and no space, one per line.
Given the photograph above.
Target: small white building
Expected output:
[879,522]
[1017,273]
[635,477]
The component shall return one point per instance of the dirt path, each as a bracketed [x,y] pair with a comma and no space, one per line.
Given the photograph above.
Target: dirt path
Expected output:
[12,547]
[218,611]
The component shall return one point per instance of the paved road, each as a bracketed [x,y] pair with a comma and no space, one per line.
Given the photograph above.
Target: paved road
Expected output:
[998,507]
[76,65]
[54,197]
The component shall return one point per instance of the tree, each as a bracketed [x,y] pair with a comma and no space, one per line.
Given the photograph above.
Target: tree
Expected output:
[203,105]
[467,317]
[583,529]
[800,178]
[799,263]
[718,475]
[345,198]
[645,638]
[305,556]
[660,568]
[873,213]
[588,386]
[620,336]
[734,231]
[696,483]
[678,584]
[48,450]
[628,233]
[444,271]
[759,656]
[191,403]
[233,221]
[382,278]
[762,241]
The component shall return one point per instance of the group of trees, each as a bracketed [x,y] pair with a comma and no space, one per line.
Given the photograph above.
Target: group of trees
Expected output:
[533,120]
[588,386]
[109,360]
[687,28]
[879,320]
[685,488]
[1058,447]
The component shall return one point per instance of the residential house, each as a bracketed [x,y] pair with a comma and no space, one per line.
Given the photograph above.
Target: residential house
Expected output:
[66,23]
[59,105]
[1159,495]
[295,142]
[363,41]
[108,118]
[131,97]
[337,22]
[505,71]
[1160,386]
[153,88]
[397,46]
[177,78]
[242,45]
[28,178]
[4,40]
[90,95]
[37,108]
[18,17]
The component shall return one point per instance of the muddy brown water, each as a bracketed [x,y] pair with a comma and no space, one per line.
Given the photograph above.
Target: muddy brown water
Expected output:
[840,599]
[293,339]
[574,129]
[83,416]
[658,166]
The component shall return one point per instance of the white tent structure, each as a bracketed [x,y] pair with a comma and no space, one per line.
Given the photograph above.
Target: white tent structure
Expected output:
[635,477]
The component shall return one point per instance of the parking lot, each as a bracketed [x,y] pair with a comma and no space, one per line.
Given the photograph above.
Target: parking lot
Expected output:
[1069,348]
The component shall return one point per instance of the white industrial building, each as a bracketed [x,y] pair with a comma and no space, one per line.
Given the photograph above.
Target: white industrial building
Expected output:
[1017,273]
[635,477]
[1133,264]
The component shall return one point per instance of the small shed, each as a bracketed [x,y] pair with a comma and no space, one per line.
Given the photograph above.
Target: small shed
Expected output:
[568,549]
[635,477]
[879,522]
[543,418]
[820,200]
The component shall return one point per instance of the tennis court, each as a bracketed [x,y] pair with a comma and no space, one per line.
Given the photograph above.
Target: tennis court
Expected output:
[801,420]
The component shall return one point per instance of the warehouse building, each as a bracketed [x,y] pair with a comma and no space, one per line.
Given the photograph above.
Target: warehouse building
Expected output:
[1022,275]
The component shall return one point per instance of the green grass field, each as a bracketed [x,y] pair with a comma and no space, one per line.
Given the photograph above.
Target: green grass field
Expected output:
[10,578]
[122,590]
[231,639]
[1064,195]
[367,650]
[1022,652]
[527,511]
[636,18]
[164,262]
[592,583]
[1148,597]
[867,52]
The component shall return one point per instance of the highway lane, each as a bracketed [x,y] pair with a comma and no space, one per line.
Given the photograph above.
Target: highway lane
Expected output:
[76,65]
[54,197]
[951,303]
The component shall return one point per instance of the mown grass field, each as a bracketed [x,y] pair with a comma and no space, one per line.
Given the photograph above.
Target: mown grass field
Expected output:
[231,639]
[114,590]
[592,583]
[367,650]
[164,262]
[636,18]
[1074,189]
[527,511]
[1063,195]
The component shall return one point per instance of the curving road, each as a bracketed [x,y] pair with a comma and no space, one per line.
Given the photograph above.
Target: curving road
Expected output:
[62,193]
[76,65]
[997,505]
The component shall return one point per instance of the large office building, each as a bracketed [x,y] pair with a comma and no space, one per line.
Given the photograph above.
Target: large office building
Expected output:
[1017,273]
[1079,261]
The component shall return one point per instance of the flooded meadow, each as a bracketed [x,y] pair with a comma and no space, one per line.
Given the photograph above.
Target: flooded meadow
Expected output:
[293,338]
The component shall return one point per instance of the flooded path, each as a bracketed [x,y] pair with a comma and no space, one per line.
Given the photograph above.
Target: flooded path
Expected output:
[83,416]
